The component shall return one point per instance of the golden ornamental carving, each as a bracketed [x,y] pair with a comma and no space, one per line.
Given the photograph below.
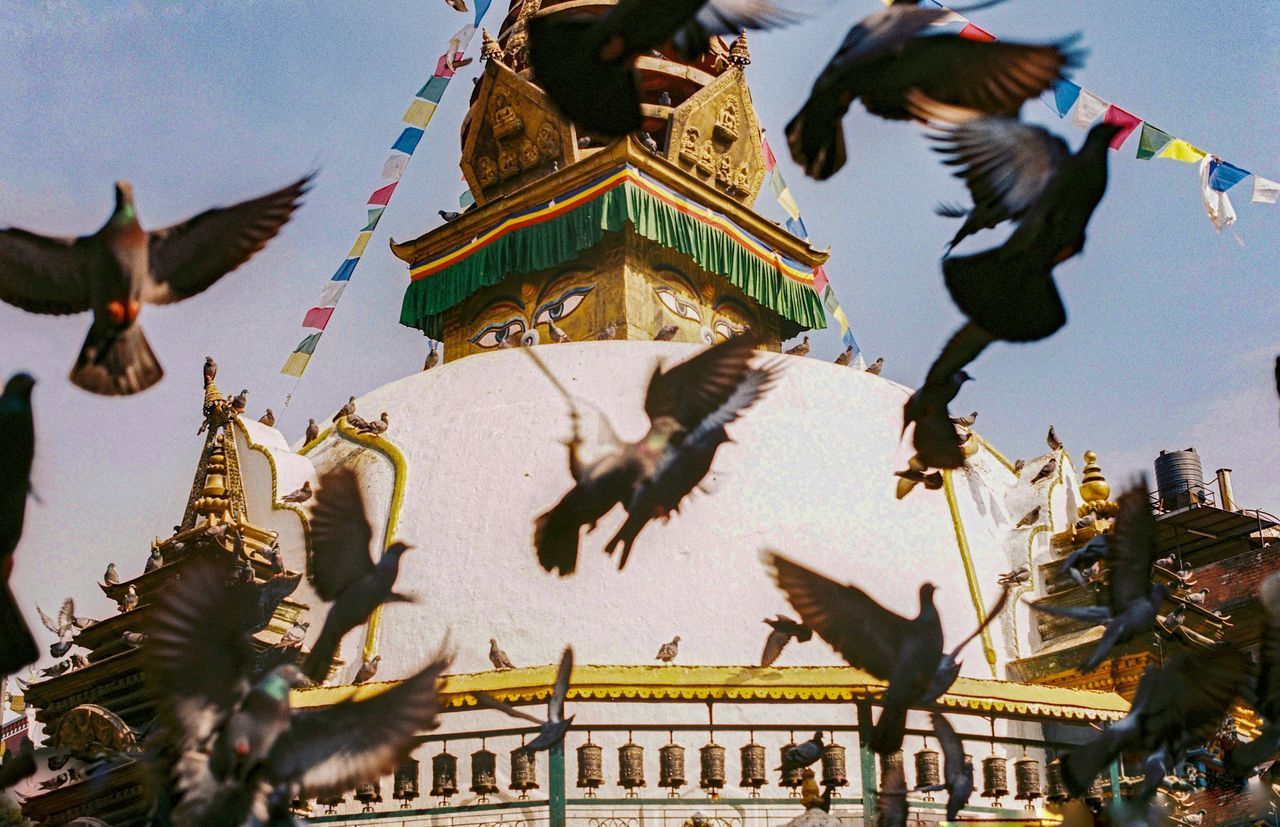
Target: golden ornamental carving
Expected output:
[715,134]
[724,172]
[529,155]
[706,158]
[506,121]
[726,128]
[549,141]
[508,166]
[90,731]
[486,171]
[689,145]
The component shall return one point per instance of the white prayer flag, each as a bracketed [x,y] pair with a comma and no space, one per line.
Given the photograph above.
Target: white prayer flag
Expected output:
[394,167]
[1265,191]
[331,293]
[1216,204]
[1089,107]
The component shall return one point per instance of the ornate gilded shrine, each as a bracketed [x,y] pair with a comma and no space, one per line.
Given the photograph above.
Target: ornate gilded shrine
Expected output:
[604,239]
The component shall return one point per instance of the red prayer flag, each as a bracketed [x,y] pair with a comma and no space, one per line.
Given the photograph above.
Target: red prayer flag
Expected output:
[382,195]
[1125,120]
[769,161]
[317,317]
[443,70]
[972,32]
[820,280]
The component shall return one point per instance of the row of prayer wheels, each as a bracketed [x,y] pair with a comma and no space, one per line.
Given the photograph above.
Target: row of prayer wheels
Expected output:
[995,777]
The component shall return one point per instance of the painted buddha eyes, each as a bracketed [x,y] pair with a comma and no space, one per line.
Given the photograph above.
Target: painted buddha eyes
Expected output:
[677,304]
[728,330]
[561,308]
[492,335]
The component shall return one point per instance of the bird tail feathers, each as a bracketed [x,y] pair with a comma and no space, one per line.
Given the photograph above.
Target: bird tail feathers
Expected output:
[555,536]
[1009,294]
[816,139]
[316,666]
[117,363]
[1082,764]
[887,735]
[596,94]
[17,647]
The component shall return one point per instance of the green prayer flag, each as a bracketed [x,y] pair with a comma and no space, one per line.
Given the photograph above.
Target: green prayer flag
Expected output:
[1151,142]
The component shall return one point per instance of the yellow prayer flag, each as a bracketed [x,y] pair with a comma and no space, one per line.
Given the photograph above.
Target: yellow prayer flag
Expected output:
[419,112]
[362,241]
[842,319]
[296,364]
[1180,150]
[789,204]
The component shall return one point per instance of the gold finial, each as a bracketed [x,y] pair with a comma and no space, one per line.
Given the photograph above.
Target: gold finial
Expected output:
[489,48]
[1094,487]
[212,394]
[739,54]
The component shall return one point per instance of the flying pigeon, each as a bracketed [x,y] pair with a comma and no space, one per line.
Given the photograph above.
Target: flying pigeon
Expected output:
[1133,599]
[801,349]
[667,333]
[552,730]
[846,356]
[346,410]
[60,649]
[891,799]
[957,768]
[111,577]
[313,431]
[268,419]
[783,629]
[154,561]
[875,367]
[498,657]
[802,755]
[299,496]
[210,370]
[122,267]
[913,476]
[368,669]
[667,652]
[1046,471]
[17,446]
[584,61]
[883,59]
[935,439]
[906,652]
[1019,172]
[688,407]
[1052,440]
[66,623]
[1030,518]
[343,570]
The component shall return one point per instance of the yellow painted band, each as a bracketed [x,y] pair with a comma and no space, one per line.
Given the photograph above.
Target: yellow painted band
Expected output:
[971,574]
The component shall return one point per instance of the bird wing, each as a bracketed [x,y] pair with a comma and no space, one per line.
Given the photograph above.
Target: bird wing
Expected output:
[1096,615]
[1190,694]
[728,17]
[773,646]
[994,77]
[555,704]
[490,702]
[326,751]
[863,632]
[962,348]
[1006,164]
[1133,548]
[41,274]
[694,389]
[340,534]
[188,258]
[259,600]
[48,622]
[880,33]
[992,614]
[197,653]
[952,746]
[67,615]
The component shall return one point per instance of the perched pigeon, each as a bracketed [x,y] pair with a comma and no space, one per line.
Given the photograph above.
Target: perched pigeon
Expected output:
[906,652]
[313,431]
[240,401]
[433,357]
[801,349]
[803,754]
[122,267]
[1029,519]
[378,426]
[210,370]
[1018,577]
[884,57]
[498,657]
[667,652]
[275,558]
[1266,687]
[1085,522]
[1020,172]
[367,669]
[610,330]
[357,423]
[783,629]
[268,419]
[130,600]
[111,577]
[1046,471]
[583,60]
[79,661]
[346,410]
[965,421]
[154,561]
[133,638]
[1051,438]
[558,335]
[647,141]
[667,333]
[688,407]
[1018,465]
[846,356]
[17,446]
[957,768]
[56,670]
[935,439]
[448,215]
[552,730]
[875,367]
[343,570]
[299,496]
[1133,599]
[457,5]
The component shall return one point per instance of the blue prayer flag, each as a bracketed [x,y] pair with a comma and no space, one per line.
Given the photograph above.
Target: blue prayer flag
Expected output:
[796,227]
[1224,176]
[408,140]
[482,6]
[344,272]
[849,341]
[1064,96]
[434,89]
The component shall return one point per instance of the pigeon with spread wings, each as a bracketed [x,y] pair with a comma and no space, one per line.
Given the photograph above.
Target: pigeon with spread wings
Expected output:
[17,447]
[584,61]
[343,569]
[552,730]
[122,267]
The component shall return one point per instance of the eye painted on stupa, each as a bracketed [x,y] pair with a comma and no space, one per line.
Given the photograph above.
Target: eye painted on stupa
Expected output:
[562,306]
[678,304]
[726,329]
[730,318]
[490,336]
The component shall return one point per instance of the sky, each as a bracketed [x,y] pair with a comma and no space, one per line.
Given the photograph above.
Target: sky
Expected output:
[1172,333]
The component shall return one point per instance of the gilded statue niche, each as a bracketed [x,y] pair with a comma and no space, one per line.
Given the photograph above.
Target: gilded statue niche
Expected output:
[513,135]
[716,138]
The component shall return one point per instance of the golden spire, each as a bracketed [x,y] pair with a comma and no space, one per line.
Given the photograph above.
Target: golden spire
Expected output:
[1093,487]
[489,48]
[739,54]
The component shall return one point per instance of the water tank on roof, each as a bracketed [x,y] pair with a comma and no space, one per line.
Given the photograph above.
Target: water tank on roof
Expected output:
[1179,479]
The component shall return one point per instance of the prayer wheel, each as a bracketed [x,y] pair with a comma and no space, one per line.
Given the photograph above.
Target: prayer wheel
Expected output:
[753,769]
[995,777]
[834,772]
[1055,787]
[524,771]
[368,794]
[928,769]
[630,767]
[1095,794]
[791,777]
[405,782]
[444,776]
[1026,775]
[484,773]
[888,763]
[671,768]
[711,759]
[590,768]
[330,803]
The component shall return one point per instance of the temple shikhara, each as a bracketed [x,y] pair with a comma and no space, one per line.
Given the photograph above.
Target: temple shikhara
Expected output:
[608,243]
